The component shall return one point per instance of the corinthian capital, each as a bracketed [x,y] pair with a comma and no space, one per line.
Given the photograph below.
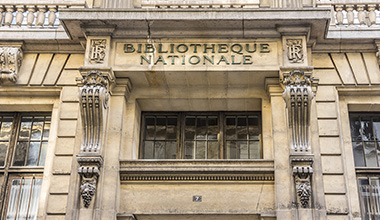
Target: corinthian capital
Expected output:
[10,63]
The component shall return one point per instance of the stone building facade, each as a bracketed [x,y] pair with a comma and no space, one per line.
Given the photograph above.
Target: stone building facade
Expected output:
[204,109]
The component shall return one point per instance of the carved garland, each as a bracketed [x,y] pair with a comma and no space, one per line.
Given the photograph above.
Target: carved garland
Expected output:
[298,95]
[10,63]
[302,173]
[93,98]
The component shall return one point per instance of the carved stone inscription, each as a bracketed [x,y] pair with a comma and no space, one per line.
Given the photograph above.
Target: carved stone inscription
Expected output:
[10,63]
[98,50]
[295,50]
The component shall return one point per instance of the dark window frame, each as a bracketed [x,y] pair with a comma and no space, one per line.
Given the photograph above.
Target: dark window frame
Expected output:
[9,171]
[222,139]
[366,173]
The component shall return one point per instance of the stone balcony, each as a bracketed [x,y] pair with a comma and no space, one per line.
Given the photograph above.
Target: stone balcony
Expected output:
[34,19]
[40,19]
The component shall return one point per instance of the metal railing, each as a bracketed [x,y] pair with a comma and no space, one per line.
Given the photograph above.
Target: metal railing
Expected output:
[370,201]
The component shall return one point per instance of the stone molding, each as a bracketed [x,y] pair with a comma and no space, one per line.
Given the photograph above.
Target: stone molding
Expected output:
[93,99]
[197,171]
[10,63]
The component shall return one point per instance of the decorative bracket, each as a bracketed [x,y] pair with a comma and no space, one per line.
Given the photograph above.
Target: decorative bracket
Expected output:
[93,99]
[10,63]
[302,172]
[298,94]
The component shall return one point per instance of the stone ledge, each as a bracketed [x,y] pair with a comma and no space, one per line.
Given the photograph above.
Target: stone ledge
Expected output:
[197,170]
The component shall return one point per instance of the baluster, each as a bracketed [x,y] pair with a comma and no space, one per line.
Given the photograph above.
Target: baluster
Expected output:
[339,14]
[30,17]
[372,14]
[350,14]
[20,14]
[41,16]
[1,15]
[8,18]
[52,16]
[361,14]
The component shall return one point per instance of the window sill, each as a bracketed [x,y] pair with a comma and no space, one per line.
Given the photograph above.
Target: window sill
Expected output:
[197,170]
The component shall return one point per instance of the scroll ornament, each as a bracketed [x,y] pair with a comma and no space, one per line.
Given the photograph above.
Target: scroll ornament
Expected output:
[10,63]
[298,94]
[93,98]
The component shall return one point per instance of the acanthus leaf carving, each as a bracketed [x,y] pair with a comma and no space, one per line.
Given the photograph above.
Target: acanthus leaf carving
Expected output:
[93,99]
[10,63]
[298,94]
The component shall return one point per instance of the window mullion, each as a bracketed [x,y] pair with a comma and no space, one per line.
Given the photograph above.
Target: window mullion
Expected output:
[221,138]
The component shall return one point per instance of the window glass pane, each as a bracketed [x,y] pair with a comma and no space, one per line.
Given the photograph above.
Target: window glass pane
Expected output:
[365,200]
[355,128]
[231,128]
[36,190]
[34,150]
[231,150]
[242,129]
[148,149]
[46,130]
[201,128]
[213,128]
[13,199]
[5,130]
[43,154]
[3,152]
[161,128]
[150,127]
[20,154]
[200,150]
[189,149]
[190,128]
[25,127]
[172,129]
[254,149]
[24,198]
[254,131]
[358,154]
[159,150]
[212,150]
[243,149]
[376,127]
[171,150]
[37,127]
[370,154]
[367,131]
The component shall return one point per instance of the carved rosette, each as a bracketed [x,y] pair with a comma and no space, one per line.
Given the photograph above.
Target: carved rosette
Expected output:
[93,99]
[302,172]
[298,94]
[97,50]
[10,63]
[295,50]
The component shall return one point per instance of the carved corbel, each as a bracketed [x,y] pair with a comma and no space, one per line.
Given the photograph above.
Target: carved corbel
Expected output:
[93,99]
[302,172]
[10,63]
[298,94]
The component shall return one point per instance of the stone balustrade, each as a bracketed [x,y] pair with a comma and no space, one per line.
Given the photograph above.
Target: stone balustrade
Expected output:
[353,13]
[36,13]
[200,3]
